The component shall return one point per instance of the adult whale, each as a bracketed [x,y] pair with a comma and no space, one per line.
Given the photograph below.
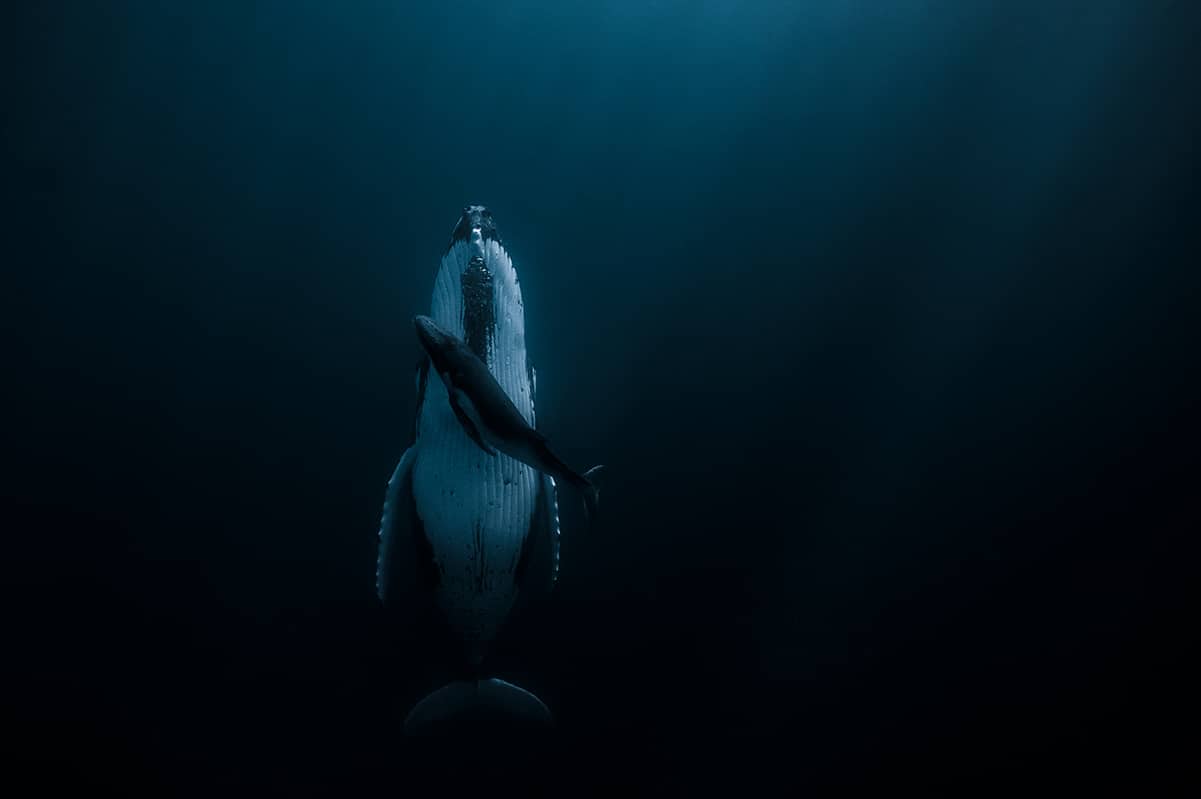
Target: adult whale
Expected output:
[475,531]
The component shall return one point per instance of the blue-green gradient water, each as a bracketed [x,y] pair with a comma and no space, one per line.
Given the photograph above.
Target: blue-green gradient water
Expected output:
[875,312]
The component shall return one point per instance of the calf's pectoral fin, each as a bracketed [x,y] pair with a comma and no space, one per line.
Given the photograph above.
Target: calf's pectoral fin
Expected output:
[458,403]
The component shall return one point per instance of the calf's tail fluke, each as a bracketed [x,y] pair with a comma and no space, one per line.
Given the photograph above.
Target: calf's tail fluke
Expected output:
[591,491]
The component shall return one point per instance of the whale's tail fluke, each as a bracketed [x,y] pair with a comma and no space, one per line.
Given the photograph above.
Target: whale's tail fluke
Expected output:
[465,704]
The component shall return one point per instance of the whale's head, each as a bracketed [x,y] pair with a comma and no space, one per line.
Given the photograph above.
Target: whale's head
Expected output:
[475,221]
[474,255]
[447,352]
[434,340]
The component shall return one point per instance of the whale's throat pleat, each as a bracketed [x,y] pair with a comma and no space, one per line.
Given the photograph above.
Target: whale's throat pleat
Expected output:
[479,310]
[477,509]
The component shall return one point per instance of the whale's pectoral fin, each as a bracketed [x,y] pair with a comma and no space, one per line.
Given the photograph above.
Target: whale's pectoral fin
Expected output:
[460,403]
[404,564]
[537,568]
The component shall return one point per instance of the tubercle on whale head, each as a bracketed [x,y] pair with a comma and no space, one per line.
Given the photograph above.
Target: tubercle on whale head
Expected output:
[474,219]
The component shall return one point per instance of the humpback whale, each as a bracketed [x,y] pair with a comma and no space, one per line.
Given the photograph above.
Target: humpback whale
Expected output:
[464,522]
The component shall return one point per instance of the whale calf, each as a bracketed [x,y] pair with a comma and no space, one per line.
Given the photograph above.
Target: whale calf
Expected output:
[464,522]
[488,416]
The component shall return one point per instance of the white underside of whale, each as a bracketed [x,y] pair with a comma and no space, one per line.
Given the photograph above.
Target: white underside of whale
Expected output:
[476,508]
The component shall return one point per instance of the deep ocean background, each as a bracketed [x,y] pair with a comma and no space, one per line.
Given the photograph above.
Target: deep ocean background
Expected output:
[878,313]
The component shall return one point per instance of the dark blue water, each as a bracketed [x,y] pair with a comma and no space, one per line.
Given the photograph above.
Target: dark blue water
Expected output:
[878,314]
